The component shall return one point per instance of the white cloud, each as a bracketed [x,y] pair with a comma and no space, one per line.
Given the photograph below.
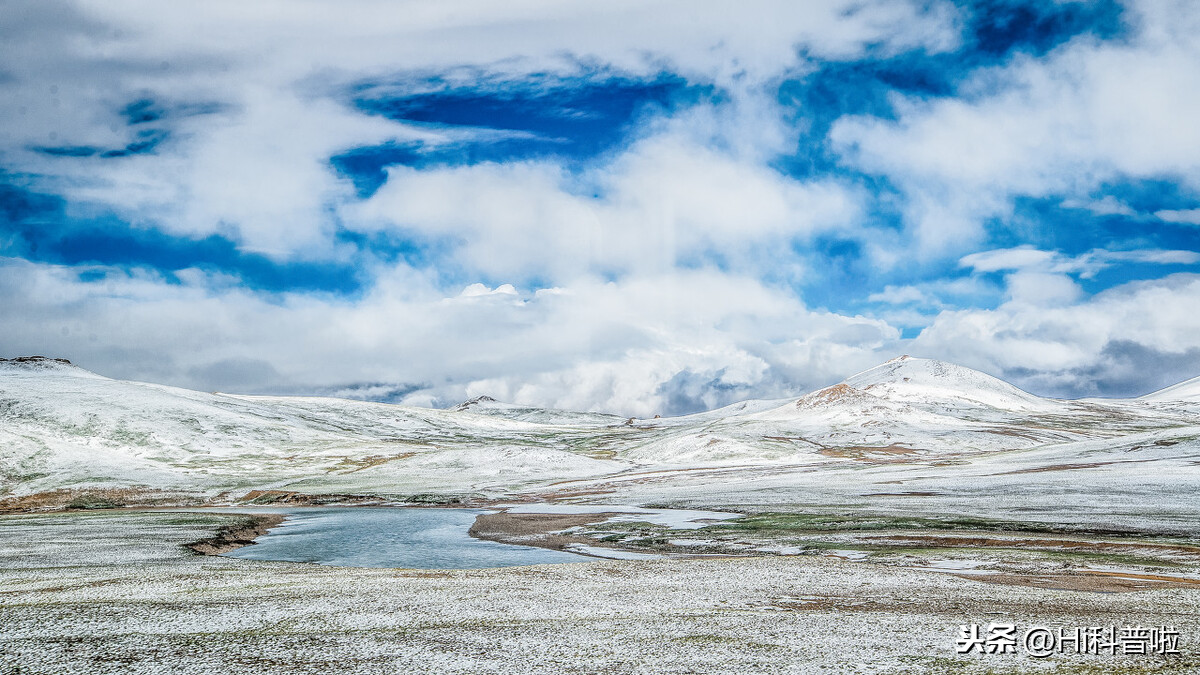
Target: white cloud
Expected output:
[685,217]
[257,170]
[1007,259]
[1052,344]
[595,345]
[1087,113]
[899,295]
[1086,265]
[664,201]
[1106,206]
[1042,288]
[1187,216]
[479,290]
[1153,256]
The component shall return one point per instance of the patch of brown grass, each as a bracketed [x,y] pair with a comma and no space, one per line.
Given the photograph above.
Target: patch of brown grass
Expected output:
[870,453]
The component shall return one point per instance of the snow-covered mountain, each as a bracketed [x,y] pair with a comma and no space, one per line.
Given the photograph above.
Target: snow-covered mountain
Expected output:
[918,408]
[944,386]
[1188,390]
[64,427]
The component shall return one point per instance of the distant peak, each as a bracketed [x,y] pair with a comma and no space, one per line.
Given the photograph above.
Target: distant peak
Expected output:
[929,381]
[902,357]
[37,361]
[43,364]
[478,400]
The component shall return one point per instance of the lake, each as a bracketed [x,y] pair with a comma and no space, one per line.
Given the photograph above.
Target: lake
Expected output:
[389,537]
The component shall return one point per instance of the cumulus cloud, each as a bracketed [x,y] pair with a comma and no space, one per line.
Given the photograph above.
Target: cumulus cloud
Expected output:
[1087,114]
[1056,349]
[255,167]
[663,201]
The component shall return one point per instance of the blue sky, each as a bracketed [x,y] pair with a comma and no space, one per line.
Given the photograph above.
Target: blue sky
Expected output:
[637,207]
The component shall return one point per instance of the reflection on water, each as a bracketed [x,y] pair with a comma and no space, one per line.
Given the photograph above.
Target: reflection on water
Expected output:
[390,537]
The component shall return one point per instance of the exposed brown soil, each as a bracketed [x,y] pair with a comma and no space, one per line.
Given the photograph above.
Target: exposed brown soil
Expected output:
[1000,542]
[303,499]
[92,499]
[829,396]
[95,499]
[235,536]
[353,464]
[1095,582]
[291,498]
[869,453]
[1068,467]
[1186,581]
[1058,467]
[1013,433]
[535,529]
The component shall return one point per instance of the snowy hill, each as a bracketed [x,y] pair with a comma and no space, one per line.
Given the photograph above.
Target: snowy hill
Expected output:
[64,427]
[1188,390]
[944,385]
[915,409]
[61,426]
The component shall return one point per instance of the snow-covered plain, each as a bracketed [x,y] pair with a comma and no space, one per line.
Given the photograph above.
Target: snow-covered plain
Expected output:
[135,601]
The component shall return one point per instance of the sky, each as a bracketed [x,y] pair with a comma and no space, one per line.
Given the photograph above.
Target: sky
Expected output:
[633,207]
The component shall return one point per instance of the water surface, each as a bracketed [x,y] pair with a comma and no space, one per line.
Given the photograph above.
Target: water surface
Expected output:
[389,537]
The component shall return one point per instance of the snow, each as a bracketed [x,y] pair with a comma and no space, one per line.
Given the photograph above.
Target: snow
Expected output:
[61,426]
[907,439]
[907,426]
[847,554]
[1188,390]
[957,566]
[676,519]
[486,405]
[610,553]
[116,592]
[944,385]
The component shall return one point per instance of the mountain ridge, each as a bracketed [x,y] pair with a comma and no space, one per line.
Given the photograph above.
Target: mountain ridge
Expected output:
[62,427]
[908,379]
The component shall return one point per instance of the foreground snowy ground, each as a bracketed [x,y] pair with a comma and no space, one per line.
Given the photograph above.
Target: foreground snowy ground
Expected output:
[115,592]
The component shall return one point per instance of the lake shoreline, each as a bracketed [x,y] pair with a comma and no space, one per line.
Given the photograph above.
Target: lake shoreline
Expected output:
[543,530]
[549,531]
[236,535]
